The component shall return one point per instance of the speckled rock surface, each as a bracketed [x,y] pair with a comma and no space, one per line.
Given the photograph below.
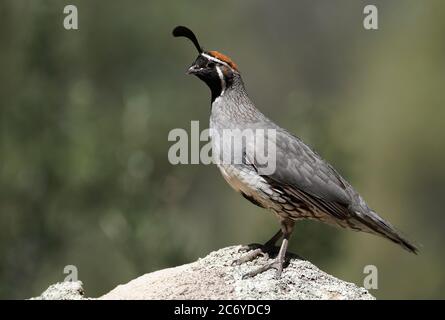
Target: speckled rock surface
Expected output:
[63,291]
[214,277]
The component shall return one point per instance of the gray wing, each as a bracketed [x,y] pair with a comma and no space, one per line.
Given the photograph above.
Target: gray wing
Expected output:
[300,166]
[302,171]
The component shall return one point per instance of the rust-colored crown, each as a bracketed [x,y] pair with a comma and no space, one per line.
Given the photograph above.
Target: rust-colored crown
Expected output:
[224,58]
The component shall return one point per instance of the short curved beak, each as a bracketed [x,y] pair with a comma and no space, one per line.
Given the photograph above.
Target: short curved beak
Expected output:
[193,69]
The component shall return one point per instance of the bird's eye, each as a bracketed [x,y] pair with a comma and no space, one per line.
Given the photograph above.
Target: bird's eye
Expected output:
[211,65]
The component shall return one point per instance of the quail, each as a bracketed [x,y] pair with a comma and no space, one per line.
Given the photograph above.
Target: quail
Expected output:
[302,184]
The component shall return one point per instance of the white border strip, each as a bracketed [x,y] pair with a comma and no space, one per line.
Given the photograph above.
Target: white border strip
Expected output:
[215,59]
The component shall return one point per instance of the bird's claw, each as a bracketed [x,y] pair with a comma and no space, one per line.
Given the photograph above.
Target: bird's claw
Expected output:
[253,254]
[254,251]
[249,247]
[275,264]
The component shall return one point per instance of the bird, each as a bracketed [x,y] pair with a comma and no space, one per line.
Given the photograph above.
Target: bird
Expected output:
[302,185]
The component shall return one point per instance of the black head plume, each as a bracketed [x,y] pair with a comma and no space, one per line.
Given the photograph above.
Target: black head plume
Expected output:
[181,31]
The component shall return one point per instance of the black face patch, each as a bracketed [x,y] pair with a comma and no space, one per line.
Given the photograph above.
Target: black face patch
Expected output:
[201,61]
[209,74]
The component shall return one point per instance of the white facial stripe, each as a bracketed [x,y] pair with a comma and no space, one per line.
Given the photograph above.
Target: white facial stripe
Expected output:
[223,81]
[215,59]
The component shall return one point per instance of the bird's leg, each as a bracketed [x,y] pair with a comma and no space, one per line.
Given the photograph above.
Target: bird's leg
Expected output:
[272,241]
[256,249]
[278,262]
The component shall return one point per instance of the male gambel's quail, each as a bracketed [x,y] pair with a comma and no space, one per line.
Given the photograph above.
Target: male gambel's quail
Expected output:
[302,185]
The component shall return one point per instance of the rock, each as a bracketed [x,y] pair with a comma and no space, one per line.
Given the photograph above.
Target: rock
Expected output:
[63,291]
[214,277]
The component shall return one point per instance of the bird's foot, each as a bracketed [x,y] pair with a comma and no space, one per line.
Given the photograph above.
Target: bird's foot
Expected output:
[276,264]
[250,247]
[255,250]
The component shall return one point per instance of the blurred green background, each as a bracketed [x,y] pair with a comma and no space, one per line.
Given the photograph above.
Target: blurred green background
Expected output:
[85,115]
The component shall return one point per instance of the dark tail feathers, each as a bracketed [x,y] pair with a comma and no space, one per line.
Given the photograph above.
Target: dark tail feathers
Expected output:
[383,228]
